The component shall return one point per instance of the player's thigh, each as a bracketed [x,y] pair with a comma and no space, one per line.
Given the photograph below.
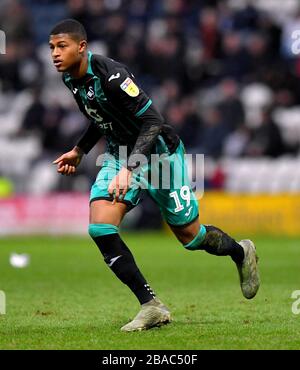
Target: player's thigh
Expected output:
[101,206]
[104,212]
[175,198]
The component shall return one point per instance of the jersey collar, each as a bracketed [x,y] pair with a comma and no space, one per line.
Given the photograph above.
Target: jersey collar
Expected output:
[89,70]
[88,74]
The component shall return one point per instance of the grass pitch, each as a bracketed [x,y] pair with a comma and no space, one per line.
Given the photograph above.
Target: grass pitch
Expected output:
[67,298]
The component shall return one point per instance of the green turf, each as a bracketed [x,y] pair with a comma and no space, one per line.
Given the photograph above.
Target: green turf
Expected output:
[68,299]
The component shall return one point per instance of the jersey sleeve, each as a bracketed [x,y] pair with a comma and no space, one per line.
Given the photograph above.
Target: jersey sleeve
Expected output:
[128,97]
[89,139]
[124,91]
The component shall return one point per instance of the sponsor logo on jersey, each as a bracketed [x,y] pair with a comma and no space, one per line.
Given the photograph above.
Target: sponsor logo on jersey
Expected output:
[75,90]
[93,113]
[91,93]
[97,118]
[130,87]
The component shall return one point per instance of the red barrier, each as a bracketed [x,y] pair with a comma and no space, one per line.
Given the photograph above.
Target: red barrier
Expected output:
[63,213]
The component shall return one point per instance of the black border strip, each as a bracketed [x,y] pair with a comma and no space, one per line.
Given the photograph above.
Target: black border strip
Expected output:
[187,224]
[110,199]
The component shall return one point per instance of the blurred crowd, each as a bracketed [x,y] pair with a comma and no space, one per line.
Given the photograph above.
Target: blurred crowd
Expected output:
[223,73]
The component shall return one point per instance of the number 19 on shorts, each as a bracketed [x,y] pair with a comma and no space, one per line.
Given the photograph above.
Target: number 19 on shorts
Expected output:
[185,198]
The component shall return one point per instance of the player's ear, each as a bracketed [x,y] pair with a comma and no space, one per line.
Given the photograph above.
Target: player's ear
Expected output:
[82,46]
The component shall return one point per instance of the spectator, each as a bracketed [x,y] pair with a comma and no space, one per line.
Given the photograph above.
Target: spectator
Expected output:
[231,107]
[266,140]
[34,116]
[183,116]
[209,33]
[213,133]
[235,62]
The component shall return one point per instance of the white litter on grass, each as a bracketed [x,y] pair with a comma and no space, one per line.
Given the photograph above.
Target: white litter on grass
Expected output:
[19,260]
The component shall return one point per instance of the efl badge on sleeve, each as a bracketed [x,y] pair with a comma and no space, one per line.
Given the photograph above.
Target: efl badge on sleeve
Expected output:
[130,87]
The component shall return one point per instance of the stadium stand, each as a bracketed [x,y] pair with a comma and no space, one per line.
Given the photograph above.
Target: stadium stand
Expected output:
[222,72]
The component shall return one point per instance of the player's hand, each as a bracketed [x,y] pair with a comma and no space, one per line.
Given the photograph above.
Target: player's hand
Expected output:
[67,163]
[120,184]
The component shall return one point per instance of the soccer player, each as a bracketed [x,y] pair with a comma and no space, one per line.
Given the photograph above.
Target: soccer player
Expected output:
[117,107]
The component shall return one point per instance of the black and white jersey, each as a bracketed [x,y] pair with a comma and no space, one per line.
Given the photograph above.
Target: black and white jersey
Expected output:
[118,109]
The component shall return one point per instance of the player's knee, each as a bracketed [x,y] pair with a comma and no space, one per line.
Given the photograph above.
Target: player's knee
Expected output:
[100,230]
[195,243]
[185,236]
[106,237]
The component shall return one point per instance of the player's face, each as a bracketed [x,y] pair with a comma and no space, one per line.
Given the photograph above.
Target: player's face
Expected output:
[66,52]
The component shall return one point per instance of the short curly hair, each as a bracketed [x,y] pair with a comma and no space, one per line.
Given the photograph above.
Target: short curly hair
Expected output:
[72,27]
